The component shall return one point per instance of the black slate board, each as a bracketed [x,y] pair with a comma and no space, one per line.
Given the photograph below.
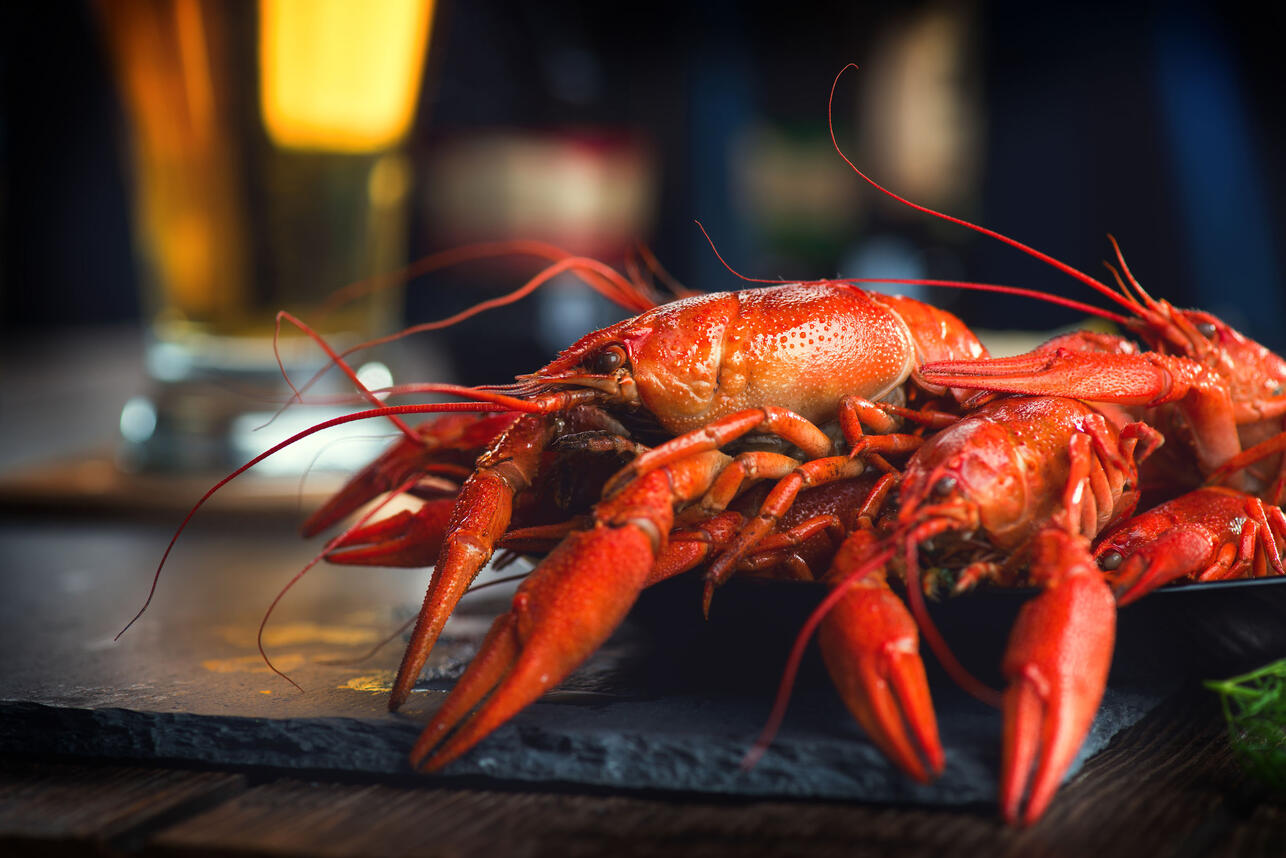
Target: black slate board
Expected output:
[671,703]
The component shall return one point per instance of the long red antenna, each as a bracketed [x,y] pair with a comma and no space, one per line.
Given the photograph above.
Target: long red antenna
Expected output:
[612,285]
[967,285]
[338,361]
[948,660]
[317,558]
[634,300]
[1094,284]
[491,402]
[734,272]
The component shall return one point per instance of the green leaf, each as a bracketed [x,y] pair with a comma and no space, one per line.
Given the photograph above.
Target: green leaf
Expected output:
[1254,705]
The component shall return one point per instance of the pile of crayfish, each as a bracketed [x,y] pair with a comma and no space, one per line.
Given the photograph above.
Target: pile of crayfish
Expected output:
[643,450]
[819,431]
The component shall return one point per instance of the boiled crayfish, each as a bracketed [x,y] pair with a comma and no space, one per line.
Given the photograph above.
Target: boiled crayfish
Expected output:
[821,387]
[690,379]
[1035,479]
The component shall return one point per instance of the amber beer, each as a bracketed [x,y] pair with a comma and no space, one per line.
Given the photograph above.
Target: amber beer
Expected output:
[267,168]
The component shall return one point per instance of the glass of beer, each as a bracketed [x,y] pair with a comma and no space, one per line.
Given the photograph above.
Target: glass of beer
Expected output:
[268,170]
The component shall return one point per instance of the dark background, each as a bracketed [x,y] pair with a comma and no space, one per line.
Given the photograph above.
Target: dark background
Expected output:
[1161,124]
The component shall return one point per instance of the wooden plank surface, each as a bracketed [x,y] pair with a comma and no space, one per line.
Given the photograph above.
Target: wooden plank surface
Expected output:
[83,808]
[292,817]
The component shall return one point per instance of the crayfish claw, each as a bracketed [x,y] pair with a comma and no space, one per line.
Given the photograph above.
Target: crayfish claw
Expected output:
[1209,534]
[561,613]
[495,658]
[871,648]
[1140,575]
[1057,662]
[454,439]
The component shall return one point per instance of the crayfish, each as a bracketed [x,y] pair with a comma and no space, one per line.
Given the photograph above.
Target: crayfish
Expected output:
[886,432]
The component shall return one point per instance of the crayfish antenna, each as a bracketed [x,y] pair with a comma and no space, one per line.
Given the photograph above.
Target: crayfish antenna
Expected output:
[659,271]
[1075,273]
[336,360]
[966,285]
[616,288]
[431,408]
[1148,301]
[602,277]
[734,272]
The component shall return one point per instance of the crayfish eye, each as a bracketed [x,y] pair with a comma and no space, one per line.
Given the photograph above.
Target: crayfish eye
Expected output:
[944,486]
[1110,560]
[1207,329]
[608,361]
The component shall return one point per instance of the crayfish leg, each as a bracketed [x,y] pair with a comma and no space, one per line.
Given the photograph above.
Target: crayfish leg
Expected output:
[813,473]
[479,518]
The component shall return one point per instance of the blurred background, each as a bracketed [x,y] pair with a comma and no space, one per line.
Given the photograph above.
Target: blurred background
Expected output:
[599,127]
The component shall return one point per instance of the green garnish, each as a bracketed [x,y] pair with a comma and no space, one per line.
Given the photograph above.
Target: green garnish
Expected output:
[1254,705]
